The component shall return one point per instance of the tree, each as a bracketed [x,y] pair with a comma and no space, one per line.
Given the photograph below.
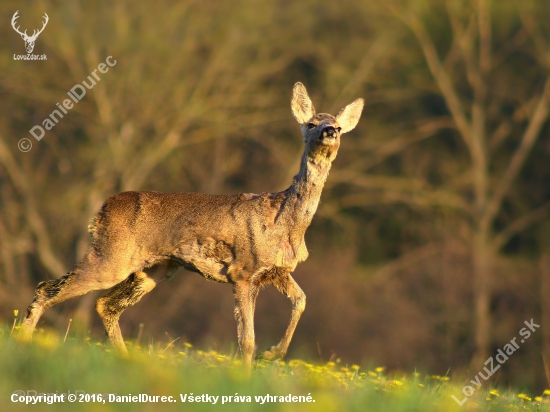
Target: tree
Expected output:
[497,116]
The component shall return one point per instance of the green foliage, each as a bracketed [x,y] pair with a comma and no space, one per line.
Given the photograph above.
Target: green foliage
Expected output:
[49,366]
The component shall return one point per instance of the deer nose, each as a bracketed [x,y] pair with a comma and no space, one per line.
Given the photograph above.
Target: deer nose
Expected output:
[330,131]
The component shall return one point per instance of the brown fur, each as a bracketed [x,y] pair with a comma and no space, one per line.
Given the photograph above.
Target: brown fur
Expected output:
[139,239]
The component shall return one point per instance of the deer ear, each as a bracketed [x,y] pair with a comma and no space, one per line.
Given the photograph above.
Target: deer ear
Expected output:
[349,115]
[302,108]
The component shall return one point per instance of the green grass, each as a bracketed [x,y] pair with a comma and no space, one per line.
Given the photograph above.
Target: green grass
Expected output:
[48,366]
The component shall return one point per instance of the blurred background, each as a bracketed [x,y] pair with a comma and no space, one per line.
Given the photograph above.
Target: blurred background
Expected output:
[431,245]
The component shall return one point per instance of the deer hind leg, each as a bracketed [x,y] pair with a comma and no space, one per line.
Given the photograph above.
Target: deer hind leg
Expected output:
[288,286]
[47,294]
[127,293]
[245,299]
[91,274]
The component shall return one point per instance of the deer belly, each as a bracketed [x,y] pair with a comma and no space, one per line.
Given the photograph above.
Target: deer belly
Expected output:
[208,257]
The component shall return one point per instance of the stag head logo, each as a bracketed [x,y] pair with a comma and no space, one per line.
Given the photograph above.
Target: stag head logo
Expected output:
[29,40]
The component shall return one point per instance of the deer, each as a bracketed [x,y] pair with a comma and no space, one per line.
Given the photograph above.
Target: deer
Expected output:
[29,40]
[140,238]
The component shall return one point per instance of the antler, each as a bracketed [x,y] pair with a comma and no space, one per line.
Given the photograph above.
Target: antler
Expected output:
[35,33]
[15,17]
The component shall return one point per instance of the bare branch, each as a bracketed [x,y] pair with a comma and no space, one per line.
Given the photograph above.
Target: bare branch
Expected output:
[465,38]
[538,39]
[476,77]
[440,75]
[499,135]
[527,141]
[35,221]
[519,225]
[484,21]
[425,130]
[404,261]
[384,189]
[375,51]
[518,41]
[135,175]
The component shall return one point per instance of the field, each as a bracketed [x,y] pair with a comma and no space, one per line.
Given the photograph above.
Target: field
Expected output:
[86,368]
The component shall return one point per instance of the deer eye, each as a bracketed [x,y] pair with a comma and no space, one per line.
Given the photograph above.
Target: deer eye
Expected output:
[311,126]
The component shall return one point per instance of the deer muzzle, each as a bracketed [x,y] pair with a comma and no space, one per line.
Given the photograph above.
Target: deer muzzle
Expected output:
[330,132]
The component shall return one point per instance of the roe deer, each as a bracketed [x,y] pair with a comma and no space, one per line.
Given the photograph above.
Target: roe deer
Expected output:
[140,239]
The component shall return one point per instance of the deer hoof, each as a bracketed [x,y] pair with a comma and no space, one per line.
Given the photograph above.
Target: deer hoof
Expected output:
[272,354]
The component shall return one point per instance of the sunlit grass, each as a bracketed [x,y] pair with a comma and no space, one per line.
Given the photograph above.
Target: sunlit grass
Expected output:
[51,365]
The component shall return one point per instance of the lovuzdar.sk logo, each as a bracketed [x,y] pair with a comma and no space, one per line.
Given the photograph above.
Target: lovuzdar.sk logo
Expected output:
[29,40]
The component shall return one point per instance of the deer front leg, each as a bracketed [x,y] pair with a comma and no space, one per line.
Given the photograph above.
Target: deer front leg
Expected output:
[245,299]
[288,286]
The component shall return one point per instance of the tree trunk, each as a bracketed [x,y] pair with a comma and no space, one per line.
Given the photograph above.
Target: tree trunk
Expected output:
[482,267]
[545,309]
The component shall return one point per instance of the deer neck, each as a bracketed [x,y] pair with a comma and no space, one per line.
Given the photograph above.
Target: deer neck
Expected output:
[305,191]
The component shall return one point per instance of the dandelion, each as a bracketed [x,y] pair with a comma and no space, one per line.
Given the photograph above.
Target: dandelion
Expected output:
[14,327]
[187,345]
[538,398]
[494,393]
[546,392]
[524,397]
[380,369]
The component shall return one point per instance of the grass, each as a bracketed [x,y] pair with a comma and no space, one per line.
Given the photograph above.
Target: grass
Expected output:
[50,365]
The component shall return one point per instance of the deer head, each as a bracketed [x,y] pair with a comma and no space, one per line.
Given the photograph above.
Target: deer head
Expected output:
[29,40]
[322,131]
